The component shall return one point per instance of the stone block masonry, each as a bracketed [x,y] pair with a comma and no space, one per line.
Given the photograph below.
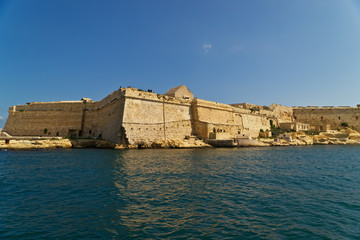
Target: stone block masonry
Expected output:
[130,116]
[333,116]
[42,119]
[150,117]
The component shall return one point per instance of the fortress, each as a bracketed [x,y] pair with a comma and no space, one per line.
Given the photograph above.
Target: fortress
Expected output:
[130,116]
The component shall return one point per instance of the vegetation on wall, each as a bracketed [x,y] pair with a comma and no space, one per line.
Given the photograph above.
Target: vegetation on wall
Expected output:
[344,124]
[254,109]
[272,124]
[276,131]
[311,132]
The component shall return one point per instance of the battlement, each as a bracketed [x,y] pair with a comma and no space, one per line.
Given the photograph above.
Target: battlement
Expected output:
[327,107]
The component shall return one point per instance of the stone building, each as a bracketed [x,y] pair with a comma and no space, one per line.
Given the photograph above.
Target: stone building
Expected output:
[180,92]
[297,126]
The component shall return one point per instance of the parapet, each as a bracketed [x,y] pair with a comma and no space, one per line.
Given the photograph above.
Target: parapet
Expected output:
[150,96]
[324,107]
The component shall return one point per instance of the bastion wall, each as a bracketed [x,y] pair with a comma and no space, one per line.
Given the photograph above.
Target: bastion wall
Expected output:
[105,122]
[68,118]
[51,119]
[282,113]
[211,117]
[334,116]
[150,117]
[132,116]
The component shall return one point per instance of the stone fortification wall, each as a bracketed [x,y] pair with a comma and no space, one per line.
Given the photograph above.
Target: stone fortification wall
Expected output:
[100,119]
[277,113]
[132,116]
[51,119]
[334,116]
[150,117]
[105,121]
[254,122]
[282,113]
[211,117]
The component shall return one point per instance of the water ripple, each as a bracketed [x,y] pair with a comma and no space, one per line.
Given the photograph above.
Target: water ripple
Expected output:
[248,193]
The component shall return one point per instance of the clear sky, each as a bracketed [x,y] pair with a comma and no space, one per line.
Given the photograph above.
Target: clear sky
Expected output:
[298,52]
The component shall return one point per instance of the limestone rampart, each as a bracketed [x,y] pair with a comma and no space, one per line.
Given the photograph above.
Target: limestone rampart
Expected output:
[53,119]
[282,113]
[66,118]
[334,116]
[253,123]
[210,117]
[150,117]
[135,117]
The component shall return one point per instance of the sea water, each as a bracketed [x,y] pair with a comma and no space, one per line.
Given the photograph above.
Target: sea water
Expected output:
[240,193]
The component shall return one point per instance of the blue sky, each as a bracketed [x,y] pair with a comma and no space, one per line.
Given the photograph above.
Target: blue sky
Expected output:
[299,52]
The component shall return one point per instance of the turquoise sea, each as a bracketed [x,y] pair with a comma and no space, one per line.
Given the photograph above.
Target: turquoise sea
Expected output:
[245,193]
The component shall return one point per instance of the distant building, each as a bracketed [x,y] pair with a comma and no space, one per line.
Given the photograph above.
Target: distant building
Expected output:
[180,92]
[297,126]
[322,127]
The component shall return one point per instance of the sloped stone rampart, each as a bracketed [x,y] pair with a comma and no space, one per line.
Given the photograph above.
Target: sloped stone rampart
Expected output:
[94,119]
[150,117]
[334,116]
[131,116]
[44,119]
[210,117]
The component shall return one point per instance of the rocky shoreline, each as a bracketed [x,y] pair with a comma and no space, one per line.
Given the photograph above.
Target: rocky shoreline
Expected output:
[344,136]
[36,144]
[60,143]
